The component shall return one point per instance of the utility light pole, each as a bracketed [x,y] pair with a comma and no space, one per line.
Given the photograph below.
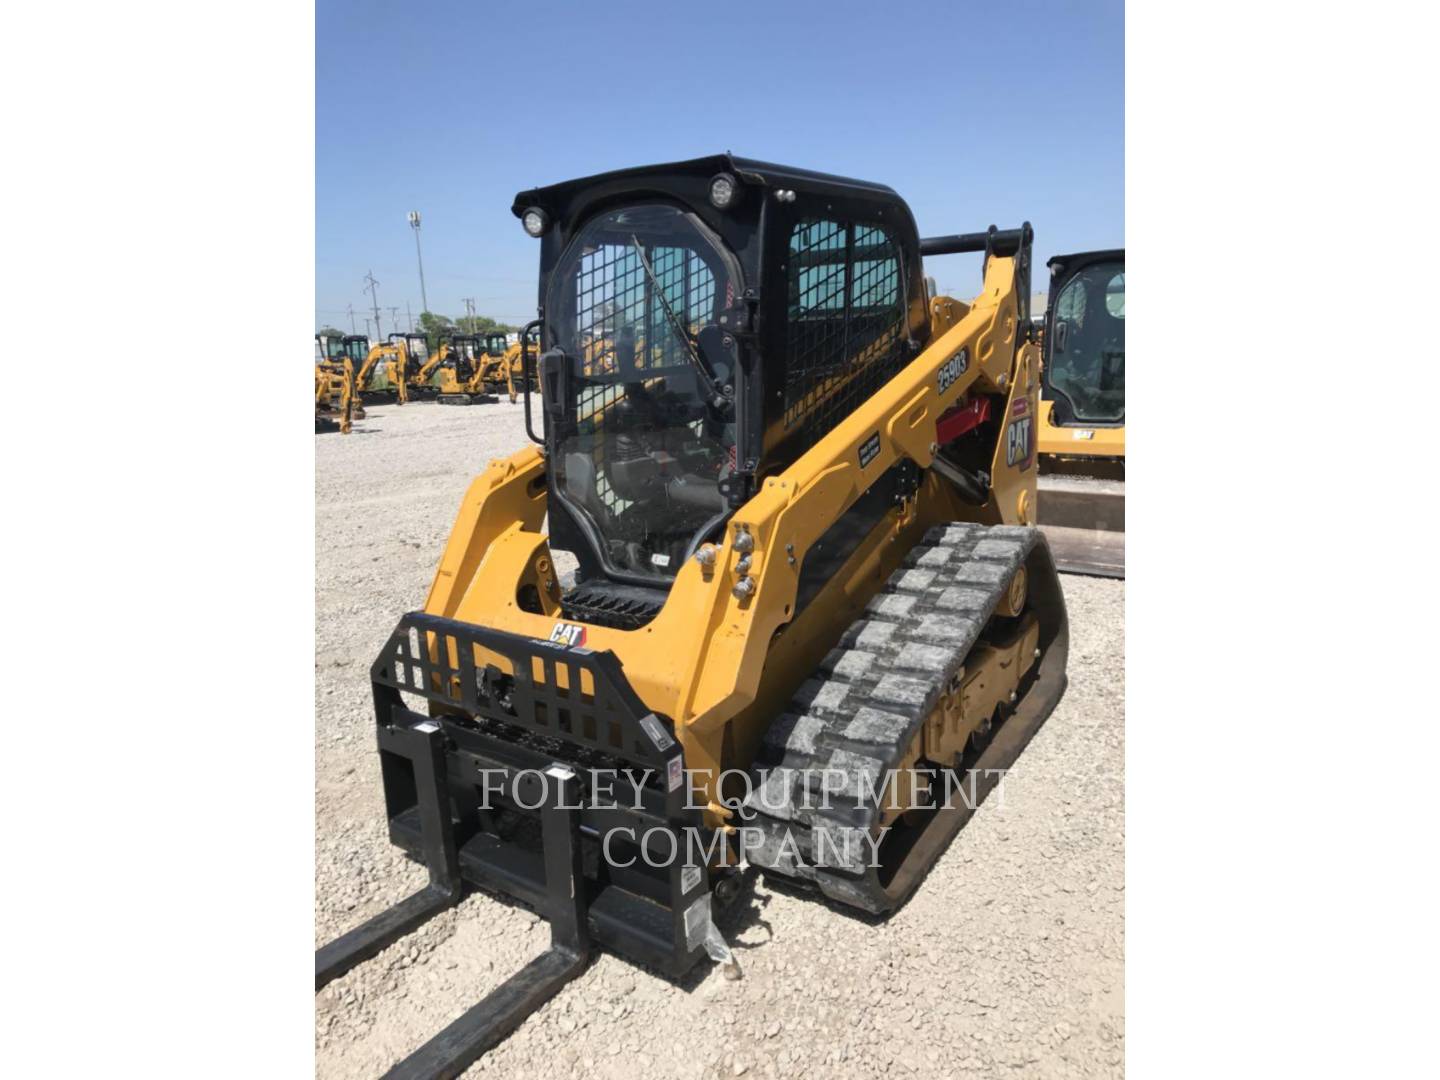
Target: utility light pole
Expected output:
[374,302]
[420,262]
[350,310]
[408,317]
[394,319]
[469,302]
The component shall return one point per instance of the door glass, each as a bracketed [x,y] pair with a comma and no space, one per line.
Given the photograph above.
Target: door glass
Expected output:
[1087,347]
[1115,295]
[643,448]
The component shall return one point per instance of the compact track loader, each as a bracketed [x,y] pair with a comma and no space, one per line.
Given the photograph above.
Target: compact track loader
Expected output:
[335,397]
[457,375]
[812,621]
[1082,413]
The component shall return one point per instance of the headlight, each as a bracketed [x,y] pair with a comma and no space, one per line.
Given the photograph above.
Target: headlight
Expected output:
[724,191]
[536,221]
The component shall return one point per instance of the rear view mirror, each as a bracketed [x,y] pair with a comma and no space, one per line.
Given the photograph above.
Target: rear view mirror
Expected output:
[1061,332]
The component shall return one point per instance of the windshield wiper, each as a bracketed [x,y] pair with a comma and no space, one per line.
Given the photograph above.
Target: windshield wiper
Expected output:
[701,367]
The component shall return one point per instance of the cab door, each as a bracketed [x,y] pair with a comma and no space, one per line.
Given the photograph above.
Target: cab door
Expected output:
[417,354]
[1083,346]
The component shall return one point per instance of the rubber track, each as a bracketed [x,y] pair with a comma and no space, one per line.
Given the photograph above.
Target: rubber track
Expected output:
[861,711]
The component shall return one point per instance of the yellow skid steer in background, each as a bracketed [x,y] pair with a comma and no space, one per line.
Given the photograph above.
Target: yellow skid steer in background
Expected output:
[1082,413]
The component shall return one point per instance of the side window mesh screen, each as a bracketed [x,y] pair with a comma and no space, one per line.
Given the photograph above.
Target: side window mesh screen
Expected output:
[618,309]
[845,332]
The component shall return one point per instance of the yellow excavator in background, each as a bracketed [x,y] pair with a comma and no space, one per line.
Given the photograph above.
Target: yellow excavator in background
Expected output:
[373,378]
[335,396]
[515,361]
[389,368]
[422,381]
[354,348]
[495,373]
[812,622]
[503,366]
[457,373]
[1082,413]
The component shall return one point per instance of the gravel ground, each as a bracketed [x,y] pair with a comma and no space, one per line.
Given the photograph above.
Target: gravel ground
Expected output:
[1009,960]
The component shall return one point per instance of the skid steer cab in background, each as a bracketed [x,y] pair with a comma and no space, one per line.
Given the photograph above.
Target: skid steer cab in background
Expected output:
[1082,413]
[801,495]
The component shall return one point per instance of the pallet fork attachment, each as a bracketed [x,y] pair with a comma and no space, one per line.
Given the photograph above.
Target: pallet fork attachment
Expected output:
[441,857]
[488,1022]
[535,739]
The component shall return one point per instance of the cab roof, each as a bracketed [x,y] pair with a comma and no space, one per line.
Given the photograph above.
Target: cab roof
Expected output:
[555,198]
[1105,255]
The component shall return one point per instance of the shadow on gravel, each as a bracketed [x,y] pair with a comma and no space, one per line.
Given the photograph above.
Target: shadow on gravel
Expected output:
[799,891]
[741,914]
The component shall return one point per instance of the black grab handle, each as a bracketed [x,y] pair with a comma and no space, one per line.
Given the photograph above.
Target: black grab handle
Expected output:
[527,375]
[992,241]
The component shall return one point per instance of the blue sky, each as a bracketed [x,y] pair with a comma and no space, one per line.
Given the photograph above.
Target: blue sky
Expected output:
[975,113]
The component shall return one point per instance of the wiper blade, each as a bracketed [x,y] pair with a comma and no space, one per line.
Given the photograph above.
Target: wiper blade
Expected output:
[701,367]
